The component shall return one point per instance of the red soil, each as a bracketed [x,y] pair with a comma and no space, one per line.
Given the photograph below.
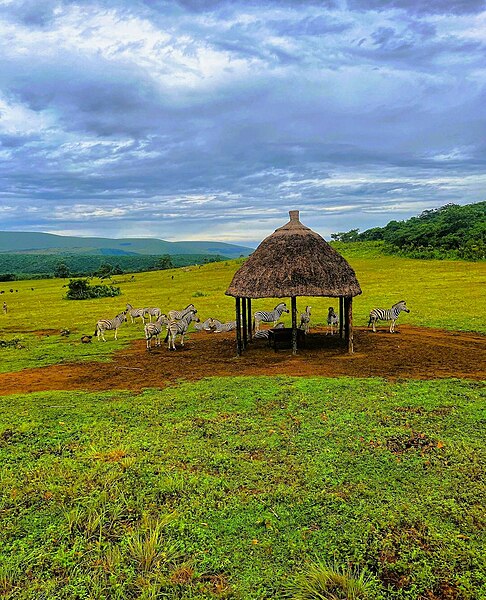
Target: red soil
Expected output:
[414,353]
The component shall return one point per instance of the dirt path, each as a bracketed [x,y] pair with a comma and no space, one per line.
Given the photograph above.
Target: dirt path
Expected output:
[416,353]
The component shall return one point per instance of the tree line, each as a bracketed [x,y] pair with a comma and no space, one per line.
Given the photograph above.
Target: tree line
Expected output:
[451,231]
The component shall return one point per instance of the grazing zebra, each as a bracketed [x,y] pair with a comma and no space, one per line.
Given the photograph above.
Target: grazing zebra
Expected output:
[152,312]
[179,327]
[332,320]
[219,327]
[135,313]
[305,319]
[269,316]
[153,330]
[263,333]
[179,314]
[109,325]
[389,314]
[203,326]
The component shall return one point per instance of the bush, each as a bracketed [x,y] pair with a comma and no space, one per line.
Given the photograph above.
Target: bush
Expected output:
[80,289]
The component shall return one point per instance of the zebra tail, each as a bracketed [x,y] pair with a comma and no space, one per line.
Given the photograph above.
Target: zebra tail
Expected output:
[167,336]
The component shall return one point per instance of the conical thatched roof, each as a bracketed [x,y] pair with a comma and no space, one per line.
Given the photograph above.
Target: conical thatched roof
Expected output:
[294,261]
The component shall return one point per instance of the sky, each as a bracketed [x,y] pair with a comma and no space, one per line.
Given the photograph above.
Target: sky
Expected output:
[210,119]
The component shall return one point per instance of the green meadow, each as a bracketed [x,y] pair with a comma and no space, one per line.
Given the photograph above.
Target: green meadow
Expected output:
[444,294]
[244,488]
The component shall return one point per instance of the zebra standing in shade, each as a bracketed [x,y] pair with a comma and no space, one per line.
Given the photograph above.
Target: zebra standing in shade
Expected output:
[153,330]
[219,327]
[109,325]
[179,314]
[389,314]
[332,321]
[136,313]
[152,312]
[179,327]
[269,316]
[305,319]
[203,326]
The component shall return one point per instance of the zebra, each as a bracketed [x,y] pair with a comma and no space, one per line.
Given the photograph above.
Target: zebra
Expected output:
[332,320]
[389,314]
[263,333]
[305,319]
[135,313]
[178,314]
[269,316]
[203,326]
[153,330]
[109,324]
[219,327]
[179,327]
[152,312]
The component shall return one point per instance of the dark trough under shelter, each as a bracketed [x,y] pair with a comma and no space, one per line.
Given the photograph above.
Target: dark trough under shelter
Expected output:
[293,261]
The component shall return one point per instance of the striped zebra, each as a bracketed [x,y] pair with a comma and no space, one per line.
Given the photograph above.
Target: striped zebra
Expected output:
[263,333]
[205,326]
[153,330]
[109,325]
[179,327]
[388,314]
[269,316]
[135,313]
[332,321]
[305,319]
[179,314]
[152,312]
[219,327]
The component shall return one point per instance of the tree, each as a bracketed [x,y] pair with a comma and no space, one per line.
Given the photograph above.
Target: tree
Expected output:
[105,271]
[164,262]
[62,271]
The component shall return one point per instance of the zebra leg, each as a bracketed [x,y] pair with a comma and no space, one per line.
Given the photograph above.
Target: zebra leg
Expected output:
[116,331]
[131,317]
[392,326]
[102,335]
[182,339]
[374,325]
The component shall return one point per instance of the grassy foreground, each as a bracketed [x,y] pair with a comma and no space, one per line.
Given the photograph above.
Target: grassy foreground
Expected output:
[229,487]
[445,294]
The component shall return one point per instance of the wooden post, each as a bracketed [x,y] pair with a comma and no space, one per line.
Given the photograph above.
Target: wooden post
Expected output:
[250,325]
[238,327]
[348,328]
[294,324]
[341,316]
[245,323]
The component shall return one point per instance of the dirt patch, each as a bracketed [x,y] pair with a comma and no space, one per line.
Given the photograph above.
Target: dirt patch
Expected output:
[414,353]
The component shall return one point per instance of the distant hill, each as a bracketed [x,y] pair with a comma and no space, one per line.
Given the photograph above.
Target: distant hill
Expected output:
[47,243]
[451,231]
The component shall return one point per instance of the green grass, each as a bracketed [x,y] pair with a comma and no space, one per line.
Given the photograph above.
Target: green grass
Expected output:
[445,294]
[234,488]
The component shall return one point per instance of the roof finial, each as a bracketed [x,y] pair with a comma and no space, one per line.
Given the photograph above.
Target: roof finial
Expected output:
[294,215]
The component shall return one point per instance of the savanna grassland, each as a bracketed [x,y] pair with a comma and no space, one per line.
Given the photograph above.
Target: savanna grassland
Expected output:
[243,487]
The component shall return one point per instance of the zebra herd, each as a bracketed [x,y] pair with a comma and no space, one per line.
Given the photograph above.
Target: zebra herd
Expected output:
[177,322]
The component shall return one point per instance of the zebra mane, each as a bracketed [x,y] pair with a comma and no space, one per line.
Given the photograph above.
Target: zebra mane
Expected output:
[189,305]
[401,302]
[279,304]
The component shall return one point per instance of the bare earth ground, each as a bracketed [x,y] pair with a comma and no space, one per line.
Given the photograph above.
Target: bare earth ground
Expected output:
[415,352]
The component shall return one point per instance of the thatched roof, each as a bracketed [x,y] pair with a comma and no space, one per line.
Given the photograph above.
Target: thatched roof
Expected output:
[294,261]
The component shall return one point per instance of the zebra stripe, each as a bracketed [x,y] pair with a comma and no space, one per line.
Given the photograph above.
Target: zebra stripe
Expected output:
[305,319]
[179,327]
[152,312]
[269,316]
[179,314]
[153,330]
[219,327]
[136,313]
[264,333]
[203,326]
[109,324]
[387,314]
[332,320]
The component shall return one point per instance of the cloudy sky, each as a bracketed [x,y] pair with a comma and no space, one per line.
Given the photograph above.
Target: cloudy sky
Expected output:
[208,119]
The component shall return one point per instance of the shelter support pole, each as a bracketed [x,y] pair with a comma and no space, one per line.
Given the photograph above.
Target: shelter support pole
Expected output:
[250,330]
[238,327]
[341,316]
[294,324]
[245,323]
[348,328]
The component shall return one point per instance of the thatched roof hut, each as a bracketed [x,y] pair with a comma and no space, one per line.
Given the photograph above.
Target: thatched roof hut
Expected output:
[294,261]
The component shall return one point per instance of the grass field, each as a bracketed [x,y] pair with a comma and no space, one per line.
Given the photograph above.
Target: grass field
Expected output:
[229,488]
[444,294]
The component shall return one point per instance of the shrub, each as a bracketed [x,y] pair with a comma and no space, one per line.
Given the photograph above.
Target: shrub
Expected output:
[80,289]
